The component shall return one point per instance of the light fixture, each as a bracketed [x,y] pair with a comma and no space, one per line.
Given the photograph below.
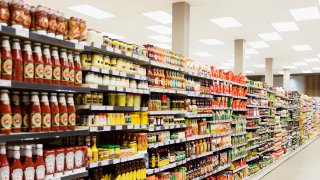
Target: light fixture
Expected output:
[281,72]
[203,54]
[259,65]
[164,46]
[249,72]
[302,47]
[226,22]
[91,11]
[112,36]
[285,26]
[228,64]
[311,60]
[289,67]
[161,38]
[270,36]
[316,68]
[247,57]
[300,64]
[258,44]
[302,14]
[306,71]
[251,51]
[211,41]
[159,16]
[161,29]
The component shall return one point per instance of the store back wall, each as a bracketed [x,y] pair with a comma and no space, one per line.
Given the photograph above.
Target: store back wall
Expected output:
[312,84]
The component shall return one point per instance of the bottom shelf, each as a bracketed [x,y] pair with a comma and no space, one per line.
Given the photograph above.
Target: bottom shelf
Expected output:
[72,176]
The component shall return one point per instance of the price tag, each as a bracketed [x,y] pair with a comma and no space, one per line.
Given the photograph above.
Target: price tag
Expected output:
[105,162]
[79,46]
[130,126]
[117,51]
[158,128]
[120,89]
[93,165]
[111,88]
[110,49]
[95,69]
[123,74]
[5,83]
[138,77]
[135,56]
[22,32]
[115,73]
[97,45]
[172,91]
[105,71]
[93,129]
[109,108]
[106,128]
[136,108]
[118,127]
[129,54]
[93,86]
[97,108]
[125,159]
[116,161]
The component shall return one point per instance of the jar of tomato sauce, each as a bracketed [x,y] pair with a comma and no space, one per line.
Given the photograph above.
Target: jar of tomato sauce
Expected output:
[71,68]
[16,112]
[47,65]
[60,160]
[63,112]
[77,69]
[50,163]
[38,62]
[41,20]
[56,74]
[26,17]
[45,111]
[15,165]
[69,164]
[16,13]
[83,31]
[28,63]
[35,113]
[64,67]
[4,12]
[61,28]
[17,60]
[5,113]
[25,111]
[71,112]
[55,115]
[6,59]
[74,29]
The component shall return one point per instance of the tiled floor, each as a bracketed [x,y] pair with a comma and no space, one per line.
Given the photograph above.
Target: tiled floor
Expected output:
[303,166]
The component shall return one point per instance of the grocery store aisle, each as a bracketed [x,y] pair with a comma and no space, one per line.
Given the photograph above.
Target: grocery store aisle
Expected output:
[303,166]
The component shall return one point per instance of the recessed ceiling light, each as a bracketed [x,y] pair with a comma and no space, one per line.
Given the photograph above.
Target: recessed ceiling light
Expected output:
[159,16]
[211,41]
[228,64]
[302,47]
[281,72]
[112,36]
[91,11]
[311,60]
[306,71]
[203,54]
[303,14]
[286,26]
[164,46]
[161,38]
[161,29]
[251,51]
[289,67]
[259,65]
[299,63]
[270,36]
[316,68]
[258,44]
[226,22]
[249,72]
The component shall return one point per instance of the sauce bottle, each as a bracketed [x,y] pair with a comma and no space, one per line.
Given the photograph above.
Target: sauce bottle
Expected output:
[39,163]
[28,166]
[46,113]
[49,157]
[25,111]
[28,63]
[15,166]
[35,113]
[71,112]
[60,156]
[38,63]
[6,58]
[5,113]
[78,69]
[56,69]
[64,67]
[69,163]
[89,150]
[71,68]
[94,149]
[16,112]
[22,153]
[47,65]
[4,165]
[63,112]
[17,60]
[55,115]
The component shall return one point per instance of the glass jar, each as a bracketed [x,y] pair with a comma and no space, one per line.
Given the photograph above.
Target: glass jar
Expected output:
[4,12]
[42,23]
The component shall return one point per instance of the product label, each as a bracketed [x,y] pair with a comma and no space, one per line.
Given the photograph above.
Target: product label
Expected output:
[71,75]
[60,162]
[72,119]
[16,121]
[4,98]
[65,74]
[46,120]
[78,157]
[28,70]
[17,174]
[25,121]
[64,119]
[70,160]
[57,73]
[36,119]
[29,173]
[5,173]
[79,77]
[56,119]
[40,172]
[6,121]
[50,164]
[39,70]
[16,100]
[7,66]
[48,72]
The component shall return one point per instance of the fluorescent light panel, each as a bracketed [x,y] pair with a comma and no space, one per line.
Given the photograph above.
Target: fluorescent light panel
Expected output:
[307,71]
[249,72]
[300,64]
[203,54]
[91,11]
[302,47]
[302,14]
[161,29]
[258,44]
[259,65]
[112,36]
[226,22]
[251,51]
[311,60]
[289,67]
[316,68]
[211,41]
[161,38]
[270,36]
[286,26]
[281,72]
[228,64]
[159,16]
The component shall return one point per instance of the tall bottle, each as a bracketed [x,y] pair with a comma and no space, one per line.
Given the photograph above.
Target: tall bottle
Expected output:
[5,113]
[45,112]
[4,165]
[55,113]
[28,166]
[64,67]
[71,68]
[78,69]
[28,63]
[6,58]
[39,164]
[89,149]
[47,65]
[35,113]
[63,112]
[16,112]
[25,111]
[71,112]
[17,60]
[38,63]
[56,69]
[94,149]
[15,166]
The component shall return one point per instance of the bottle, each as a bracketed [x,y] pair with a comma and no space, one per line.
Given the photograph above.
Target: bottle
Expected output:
[35,113]
[56,69]
[28,63]
[94,149]
[138,170]
[16,112]
[17,60]
[45,112]
[143,173]
[15,166]
[25,111]
[134,170]
[28,166]
[38,63]
[6,58]
[4,165]
[39,164]
[78,69]
[47,65]
[5,113]
[64,67]
[55,115]
[71,112]
[71,68]
[22,153]
[90,153]
[63,112]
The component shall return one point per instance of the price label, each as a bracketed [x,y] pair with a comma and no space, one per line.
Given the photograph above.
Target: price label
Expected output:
[110,49]
[93,86]
[93,165]
[117,51]
[97,45]
[105,162]
[136,108]
[118,127]
[138,77]
[115,73]
[5,83]
[106,128]
[79,46]
[116,161]
[111,88]
[105,71]
[129,54]
[123,74]
[22,32]
[135,56]
[120,89]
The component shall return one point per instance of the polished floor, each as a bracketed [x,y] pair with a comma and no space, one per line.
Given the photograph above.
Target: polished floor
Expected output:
[303,166]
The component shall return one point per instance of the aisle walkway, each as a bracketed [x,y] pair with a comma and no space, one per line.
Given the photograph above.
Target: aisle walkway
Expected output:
[303,166]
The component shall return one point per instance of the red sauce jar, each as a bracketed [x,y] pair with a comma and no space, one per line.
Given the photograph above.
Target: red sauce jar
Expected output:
[17,60]
[45,112]
[41,21]
[56,74]
[4,12]
[28,63]
[6,58]
[71,68]
[5,113]
[71,112]
[55,115]
[69,164]
[60,160]
[39,164]
[50,163]
[27,17]
[25,111]
[16,13]
[78,157]
[63,112]
[16,112]
[64,67]
[47,65]
[52,22]
[77,69]
[16,166]
[35,113]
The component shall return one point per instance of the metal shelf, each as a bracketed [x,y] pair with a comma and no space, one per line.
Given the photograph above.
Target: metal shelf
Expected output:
[165,167]
[118,128]
[188,115]
[219,121]
[167,112]
[239,110]
[253,158]
[101,88]
[72,176]
[239,133]
[162,128]
[110,108]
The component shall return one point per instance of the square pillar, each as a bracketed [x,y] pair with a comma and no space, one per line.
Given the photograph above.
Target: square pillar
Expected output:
[239,46]
[268,76]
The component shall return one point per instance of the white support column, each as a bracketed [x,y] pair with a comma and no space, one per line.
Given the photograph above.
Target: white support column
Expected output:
[181,28]
[239,46]
[268,76]
[286,79]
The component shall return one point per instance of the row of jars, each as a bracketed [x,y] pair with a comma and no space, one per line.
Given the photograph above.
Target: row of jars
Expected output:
[43,20]
[39,63]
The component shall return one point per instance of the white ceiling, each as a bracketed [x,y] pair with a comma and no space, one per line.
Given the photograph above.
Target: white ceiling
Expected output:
[255,16]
